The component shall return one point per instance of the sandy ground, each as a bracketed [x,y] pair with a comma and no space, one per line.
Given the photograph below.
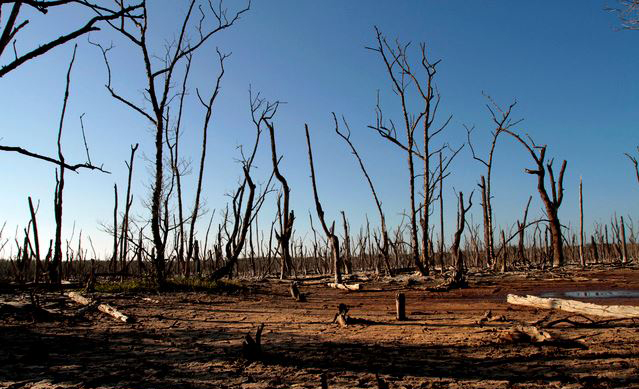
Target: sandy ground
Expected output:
[193,340]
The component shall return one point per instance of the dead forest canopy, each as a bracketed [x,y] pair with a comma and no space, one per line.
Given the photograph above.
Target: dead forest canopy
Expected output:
[168,232]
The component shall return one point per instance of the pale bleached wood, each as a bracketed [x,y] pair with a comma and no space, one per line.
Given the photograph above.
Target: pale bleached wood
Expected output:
[619,311]
[105,308]
[345,286]
[78,298]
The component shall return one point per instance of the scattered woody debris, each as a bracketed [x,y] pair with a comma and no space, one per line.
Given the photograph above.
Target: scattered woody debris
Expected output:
[252,349]
[105,308]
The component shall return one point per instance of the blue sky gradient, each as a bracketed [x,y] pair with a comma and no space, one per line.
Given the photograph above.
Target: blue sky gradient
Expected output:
[567,64]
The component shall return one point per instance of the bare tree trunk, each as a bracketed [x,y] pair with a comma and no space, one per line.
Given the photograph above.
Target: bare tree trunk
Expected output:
[124,241]
[330,232]
[522,228]
[205,127]
[441,215]
[458,258]
[595,252]
[504,253]
[36,241]
[582,258]
[286,216]
[383,246]
[551,205]
[624,250]
[56,264]
[487,231]
[114,255]
[348,265]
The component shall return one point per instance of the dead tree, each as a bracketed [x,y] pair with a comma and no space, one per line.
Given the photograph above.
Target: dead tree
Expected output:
[13,26]
[208,105]
[582,255]
[383,243]
[332,238]
[347,260]
[124,236]
[178,169]
[158,91]
[55,266]
[243,213]
[402,77]
[628,12]
[538,154]
[36,240]
[521,227]
[286,216]
[503,122]
[458,257]
[12,59]
[634,163]
[114,255]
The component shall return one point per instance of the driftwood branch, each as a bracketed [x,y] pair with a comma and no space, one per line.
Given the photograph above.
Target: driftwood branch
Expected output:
[618,311]
[105,308]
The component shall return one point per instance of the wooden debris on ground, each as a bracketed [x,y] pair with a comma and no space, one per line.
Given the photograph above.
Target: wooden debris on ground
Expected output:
[449,283]
[252,348]
[324,381]
[489,317]
[296,294]
[400,306]
[345,286]
[344,319]
[582,321]
[105,308]
[534,335]
[341,317]
[617,311]
[525,334]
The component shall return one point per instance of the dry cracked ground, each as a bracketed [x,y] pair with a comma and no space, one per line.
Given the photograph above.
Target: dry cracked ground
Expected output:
[194,340]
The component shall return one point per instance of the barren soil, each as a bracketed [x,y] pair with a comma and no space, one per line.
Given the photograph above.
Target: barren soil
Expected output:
[193,340]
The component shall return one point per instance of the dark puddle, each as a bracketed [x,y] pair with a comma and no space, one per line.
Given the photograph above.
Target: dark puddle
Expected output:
[595,294]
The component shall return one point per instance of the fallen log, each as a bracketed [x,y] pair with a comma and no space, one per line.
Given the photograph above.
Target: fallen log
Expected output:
[105,308]
[619,311]
[345,286]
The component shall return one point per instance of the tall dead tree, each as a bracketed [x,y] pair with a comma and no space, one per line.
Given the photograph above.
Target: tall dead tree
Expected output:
[406,83]
[383,242]
[538,154]
[502,122]
[263,113]
[208,105]
[124,236]
[55,266]
[332,238]
[245,204]
[114,256]
[159,74]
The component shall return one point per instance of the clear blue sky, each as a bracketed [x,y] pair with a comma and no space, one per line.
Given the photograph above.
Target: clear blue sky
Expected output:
[573,73]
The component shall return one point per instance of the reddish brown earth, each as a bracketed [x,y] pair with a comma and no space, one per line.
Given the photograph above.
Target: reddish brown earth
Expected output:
[193,340]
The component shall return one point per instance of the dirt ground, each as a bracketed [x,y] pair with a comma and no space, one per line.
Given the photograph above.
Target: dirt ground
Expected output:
[193,340]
